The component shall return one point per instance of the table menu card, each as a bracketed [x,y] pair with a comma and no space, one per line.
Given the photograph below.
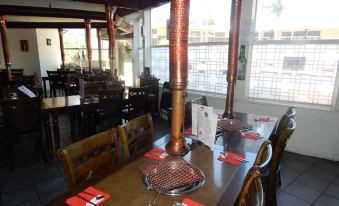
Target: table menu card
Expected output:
[157,154]
[189,202]
[204,124]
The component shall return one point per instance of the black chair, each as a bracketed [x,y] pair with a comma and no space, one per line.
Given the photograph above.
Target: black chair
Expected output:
[23,121]
[17,73]
[110,108]
[137,100]
[56,83]
[166,100]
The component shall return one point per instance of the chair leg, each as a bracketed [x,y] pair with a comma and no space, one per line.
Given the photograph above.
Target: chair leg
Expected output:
[279,179]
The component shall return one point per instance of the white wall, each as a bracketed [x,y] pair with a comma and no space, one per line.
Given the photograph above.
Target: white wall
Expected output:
[29,60]
[49,55]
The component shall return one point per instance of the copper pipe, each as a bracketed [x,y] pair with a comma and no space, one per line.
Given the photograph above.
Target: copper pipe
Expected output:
[5,46]
[178,44]
[62,51]
[111,36]
[232,57]
[88,43]
[99,47]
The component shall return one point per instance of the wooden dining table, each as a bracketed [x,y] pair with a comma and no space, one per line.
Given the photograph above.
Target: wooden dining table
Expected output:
[222,180]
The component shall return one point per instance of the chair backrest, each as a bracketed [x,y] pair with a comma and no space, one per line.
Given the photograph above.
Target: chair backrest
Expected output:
[84,159]
[251,193]
[17,72]
[166,87]
[201,100]
[136,135]
[264,155]
[278,150]
[55,77]
[111,102]
[22,115]
[93,88]
[137,97]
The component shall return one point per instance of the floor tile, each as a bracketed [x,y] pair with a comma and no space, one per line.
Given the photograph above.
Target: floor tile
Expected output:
[285,199]
[305,158]
[336,181]
[326,200]
[322,174]
[44,171]
[313,182]
[17,179]
[47,190]
[303,192]
[298,165]
[23,196]
[327,165]
[333,190]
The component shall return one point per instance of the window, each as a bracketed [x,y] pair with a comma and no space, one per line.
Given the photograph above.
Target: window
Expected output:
[207,49]
[300,65]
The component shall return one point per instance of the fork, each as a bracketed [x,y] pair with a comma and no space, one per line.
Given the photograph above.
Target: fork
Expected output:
[234,157]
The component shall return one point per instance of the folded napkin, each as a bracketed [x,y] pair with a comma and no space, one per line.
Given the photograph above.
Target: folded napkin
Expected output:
[250,135]
[190,202]
[157,154]
[262,119]
[89,196]
[188,131]
[227,158]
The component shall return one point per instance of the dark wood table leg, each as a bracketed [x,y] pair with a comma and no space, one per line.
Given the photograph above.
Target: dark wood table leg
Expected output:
[56,129]
[48,134]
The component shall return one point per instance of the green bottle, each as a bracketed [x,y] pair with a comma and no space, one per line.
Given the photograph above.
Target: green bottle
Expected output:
[242,61]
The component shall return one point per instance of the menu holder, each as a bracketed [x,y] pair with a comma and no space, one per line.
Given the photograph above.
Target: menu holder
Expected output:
[263,119]
[90,196]
[231,158]
[189,202]
[251,135]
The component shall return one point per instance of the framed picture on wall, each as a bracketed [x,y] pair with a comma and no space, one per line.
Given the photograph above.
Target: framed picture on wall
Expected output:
[24,45]
[49,42]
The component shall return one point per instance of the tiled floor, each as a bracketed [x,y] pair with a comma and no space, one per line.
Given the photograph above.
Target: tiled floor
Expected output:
[305,180]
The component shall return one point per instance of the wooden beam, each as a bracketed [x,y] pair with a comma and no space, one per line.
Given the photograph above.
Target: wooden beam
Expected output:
[99,47]
[62,51]
[88,43]
[50,12]
[54,25]
[131,4]
[111,37]
[5,46]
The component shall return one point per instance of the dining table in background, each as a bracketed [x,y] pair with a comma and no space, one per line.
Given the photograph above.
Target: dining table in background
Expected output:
[222,180]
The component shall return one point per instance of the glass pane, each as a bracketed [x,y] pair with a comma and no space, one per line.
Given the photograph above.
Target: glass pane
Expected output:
[301,19]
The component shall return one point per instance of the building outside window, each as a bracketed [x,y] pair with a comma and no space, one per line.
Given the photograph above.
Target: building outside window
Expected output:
[299,63]
[208,45]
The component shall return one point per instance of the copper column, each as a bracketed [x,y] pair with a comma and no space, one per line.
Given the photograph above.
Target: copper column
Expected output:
[5,46]
[88,43]
[111,36]
[232,57]
[61,40]
[99,47]
[178,45]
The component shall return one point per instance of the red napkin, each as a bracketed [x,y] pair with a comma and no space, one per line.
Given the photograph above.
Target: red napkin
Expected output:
[250,135]
[157,154]
[230,159]
[262,119]
[89,194]
[189,202]
[188,131]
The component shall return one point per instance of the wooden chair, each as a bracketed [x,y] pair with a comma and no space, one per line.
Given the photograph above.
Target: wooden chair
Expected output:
[136,135]
[264,155]
[23,121]
[17,73]
[137,103]
[93,88]
[251,193]
[110,108]
[85,159]
[281,139]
